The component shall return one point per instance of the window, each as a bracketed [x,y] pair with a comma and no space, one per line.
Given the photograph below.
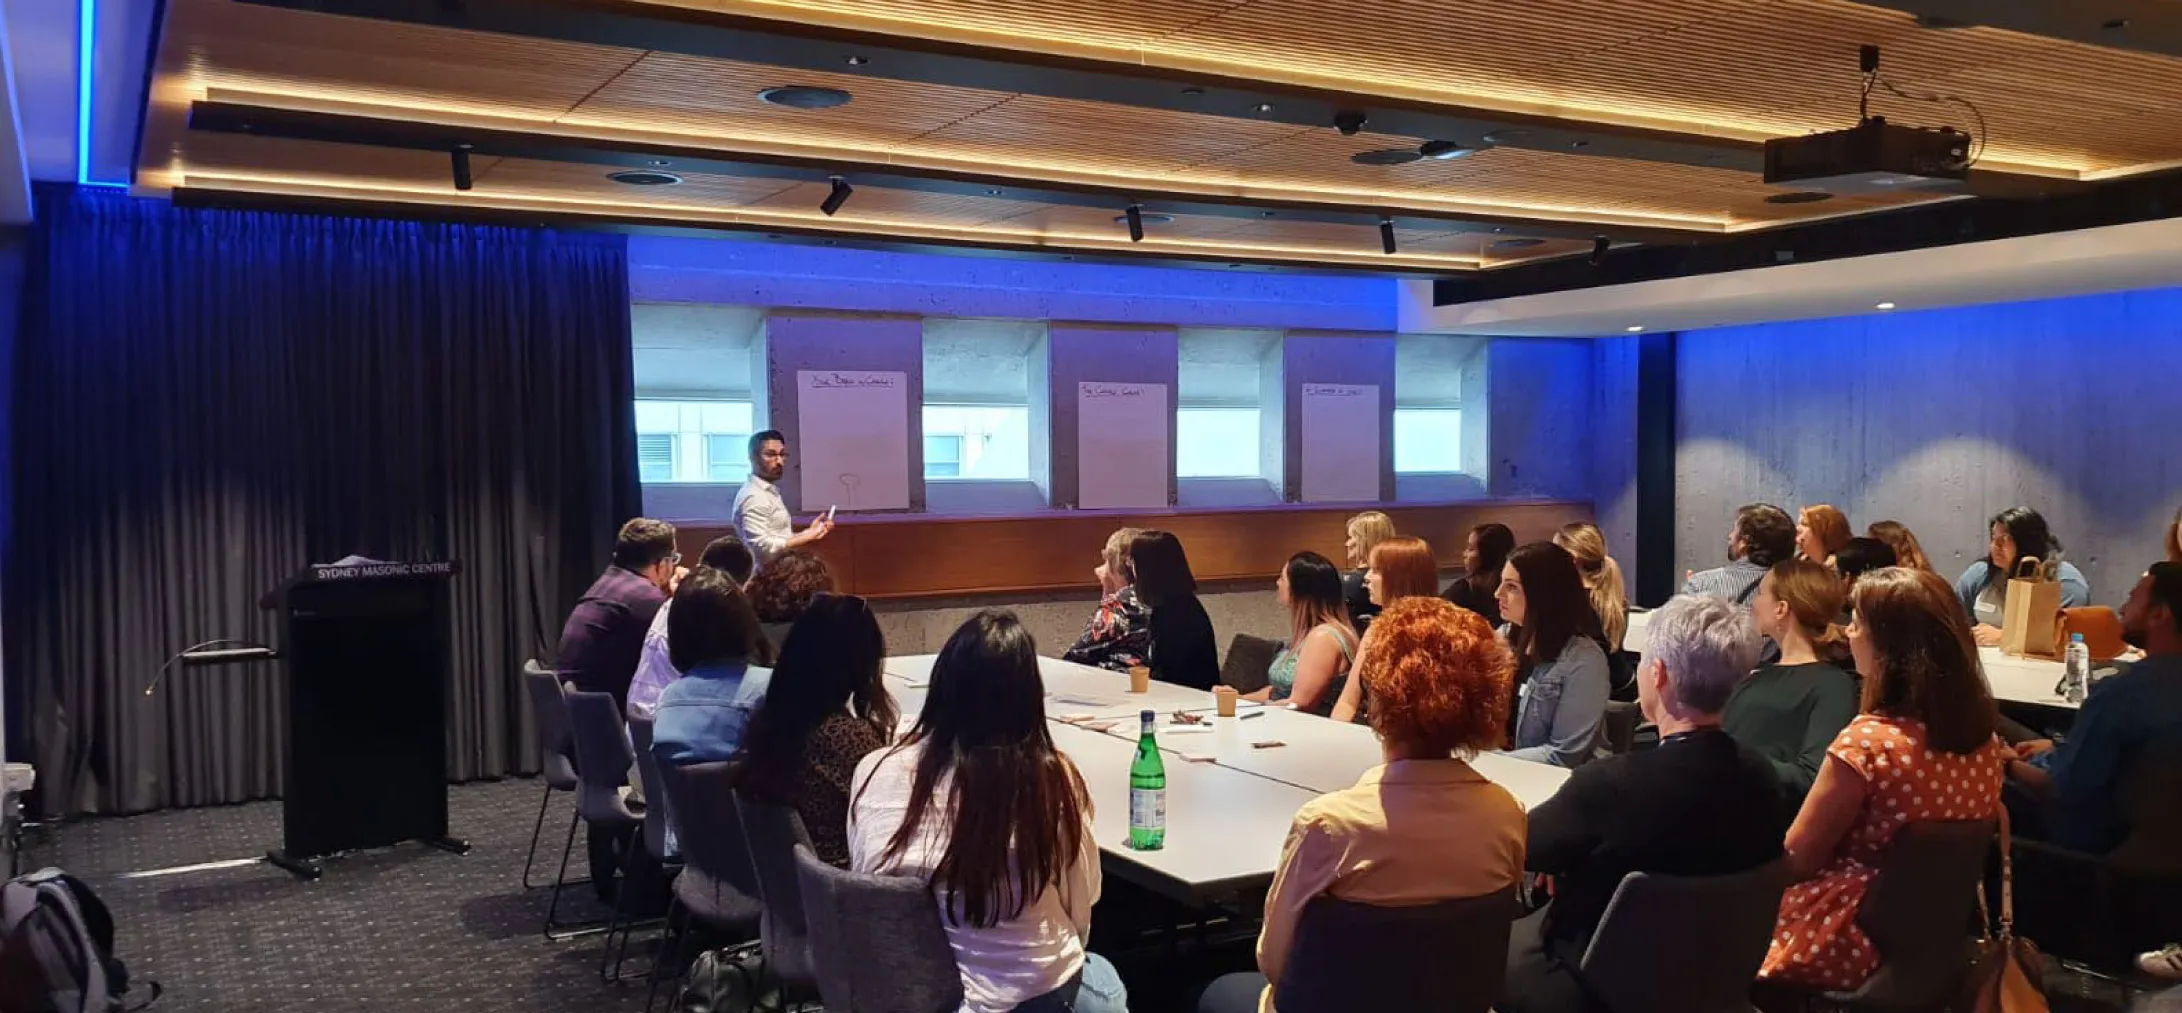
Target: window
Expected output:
[977,396]
[1427,440]
[943,457]
[1216,442]
[688,440]
[988,442]
[655,457]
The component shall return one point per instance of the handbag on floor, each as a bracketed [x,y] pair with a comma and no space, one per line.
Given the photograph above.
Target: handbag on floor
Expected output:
[2009,974]
[722,981]
[57,948]
[2030,624]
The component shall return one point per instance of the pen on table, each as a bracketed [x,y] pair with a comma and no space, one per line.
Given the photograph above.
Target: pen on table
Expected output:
[1252,714]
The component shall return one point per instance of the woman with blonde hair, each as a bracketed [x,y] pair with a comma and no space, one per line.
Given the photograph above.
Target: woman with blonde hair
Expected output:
[1601,578]
[1399,567]
[1907,551]
[1119,636]
[1790,711]
[1365,531]
[1821,530]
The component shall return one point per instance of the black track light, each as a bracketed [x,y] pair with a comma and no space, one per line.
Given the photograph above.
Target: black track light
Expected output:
[461,158]
[836,196]
[1599,246]
[1386,234]
[1136,223]
[1350,123]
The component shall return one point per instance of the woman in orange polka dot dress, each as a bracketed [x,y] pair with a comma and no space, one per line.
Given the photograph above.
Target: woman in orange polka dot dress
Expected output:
[1923,749]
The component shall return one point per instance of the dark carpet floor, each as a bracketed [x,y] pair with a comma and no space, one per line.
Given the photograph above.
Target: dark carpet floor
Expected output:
[405,928]
[412,928]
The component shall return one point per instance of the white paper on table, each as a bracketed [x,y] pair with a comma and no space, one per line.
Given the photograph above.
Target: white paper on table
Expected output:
[1340,442]
[853,438]
[1121,445]
[1073,700]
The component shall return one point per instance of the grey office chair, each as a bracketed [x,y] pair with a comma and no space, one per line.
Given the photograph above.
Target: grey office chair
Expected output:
[556,766]
[1921,915]
[774,832]
[655,840]
[877,944]
[1248,659]
[718,887]
[602,766]
[1684,944]
[1448,957]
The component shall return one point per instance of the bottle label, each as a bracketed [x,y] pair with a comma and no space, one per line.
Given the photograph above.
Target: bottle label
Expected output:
[1147,808]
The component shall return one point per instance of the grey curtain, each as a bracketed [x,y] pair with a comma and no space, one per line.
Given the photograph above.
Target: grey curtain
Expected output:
[206,401]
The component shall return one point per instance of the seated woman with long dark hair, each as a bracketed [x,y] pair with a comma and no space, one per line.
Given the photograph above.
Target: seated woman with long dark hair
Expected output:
[1183,648]
[826,709]
[1308,674]
[978,802]
[2015,534]
[1483,554]
[1422,827]
[1562,670]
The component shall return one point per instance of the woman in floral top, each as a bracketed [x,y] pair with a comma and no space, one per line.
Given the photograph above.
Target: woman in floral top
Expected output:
[1120,634]
[824,710]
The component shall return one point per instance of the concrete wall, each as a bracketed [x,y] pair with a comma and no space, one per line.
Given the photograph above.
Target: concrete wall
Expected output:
[804,339]
[1940,419]
[1538,421]
[1613,438]
[1090,353]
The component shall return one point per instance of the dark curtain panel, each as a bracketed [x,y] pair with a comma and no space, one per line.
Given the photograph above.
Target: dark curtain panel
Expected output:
[208,400]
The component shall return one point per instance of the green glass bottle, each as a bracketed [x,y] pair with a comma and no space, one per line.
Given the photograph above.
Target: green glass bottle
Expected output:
[1147,792]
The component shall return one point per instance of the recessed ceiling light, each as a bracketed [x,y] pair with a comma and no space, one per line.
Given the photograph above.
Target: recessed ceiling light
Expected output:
[858,61]
[1193,90]
[993,192]
[1506,136]
[1799,197]
[1883,306]
[1385,156]
[802,96]
[644,177]
[1263,107]
[1443,150]
[1147,217]
[1634,328]
[659,163]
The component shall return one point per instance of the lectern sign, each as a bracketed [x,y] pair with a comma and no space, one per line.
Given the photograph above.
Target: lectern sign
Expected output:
[362,570]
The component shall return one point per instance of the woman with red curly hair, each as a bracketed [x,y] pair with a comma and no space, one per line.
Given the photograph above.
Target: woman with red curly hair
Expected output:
[1439,684]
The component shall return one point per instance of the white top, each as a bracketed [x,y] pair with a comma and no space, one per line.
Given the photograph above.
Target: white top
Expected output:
[761,518]
[1011,962]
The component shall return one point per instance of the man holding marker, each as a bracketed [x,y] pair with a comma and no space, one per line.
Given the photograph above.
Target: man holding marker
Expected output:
[761,516]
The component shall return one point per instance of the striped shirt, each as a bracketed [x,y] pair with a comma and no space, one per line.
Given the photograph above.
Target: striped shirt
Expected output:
[1737,582]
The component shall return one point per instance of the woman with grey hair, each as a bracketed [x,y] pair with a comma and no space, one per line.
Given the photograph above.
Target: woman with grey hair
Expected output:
[1699,805]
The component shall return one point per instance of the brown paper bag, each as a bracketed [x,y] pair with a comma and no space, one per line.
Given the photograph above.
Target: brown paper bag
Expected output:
[2032,614]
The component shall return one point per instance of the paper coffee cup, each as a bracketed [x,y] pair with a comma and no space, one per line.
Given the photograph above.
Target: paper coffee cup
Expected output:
[1224,698]
[1140,679]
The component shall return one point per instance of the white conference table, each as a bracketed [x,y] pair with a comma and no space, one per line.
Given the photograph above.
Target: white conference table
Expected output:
[1229,803]
[2013,679]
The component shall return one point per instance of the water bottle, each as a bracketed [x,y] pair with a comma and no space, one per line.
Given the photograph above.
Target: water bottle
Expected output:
[1147,792]
[2076,669]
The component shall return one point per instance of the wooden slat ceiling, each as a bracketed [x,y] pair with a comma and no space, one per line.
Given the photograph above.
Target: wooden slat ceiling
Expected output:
[236,162]
[1734,68]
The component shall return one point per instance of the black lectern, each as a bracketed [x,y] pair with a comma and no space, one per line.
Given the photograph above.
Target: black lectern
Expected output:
[366,653]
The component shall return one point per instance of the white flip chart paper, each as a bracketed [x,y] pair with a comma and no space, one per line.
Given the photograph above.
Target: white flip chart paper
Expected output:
[1340,442]
[1121,445]
[853,439]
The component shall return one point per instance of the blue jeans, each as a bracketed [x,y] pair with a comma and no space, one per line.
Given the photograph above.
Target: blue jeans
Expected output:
[1096,989]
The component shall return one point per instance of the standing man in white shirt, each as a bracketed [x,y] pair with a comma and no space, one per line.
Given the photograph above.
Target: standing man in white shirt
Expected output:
[761,517]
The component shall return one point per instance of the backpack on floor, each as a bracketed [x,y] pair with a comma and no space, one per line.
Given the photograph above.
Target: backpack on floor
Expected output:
[57,948]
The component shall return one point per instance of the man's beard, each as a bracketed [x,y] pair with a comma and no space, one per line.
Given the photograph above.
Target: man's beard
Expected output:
[2134,638]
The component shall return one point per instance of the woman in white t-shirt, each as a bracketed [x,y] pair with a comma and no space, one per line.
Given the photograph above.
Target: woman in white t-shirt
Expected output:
[977,801]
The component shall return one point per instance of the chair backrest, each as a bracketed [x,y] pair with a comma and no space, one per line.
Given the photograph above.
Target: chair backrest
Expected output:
[602,757]
[1622,718]
[876,941]
[2149,788]
[549,710]
[1248,659]
[1921,909]
[774,831]
[656,813]
[1684,944]
[718,881]
[1448,957]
